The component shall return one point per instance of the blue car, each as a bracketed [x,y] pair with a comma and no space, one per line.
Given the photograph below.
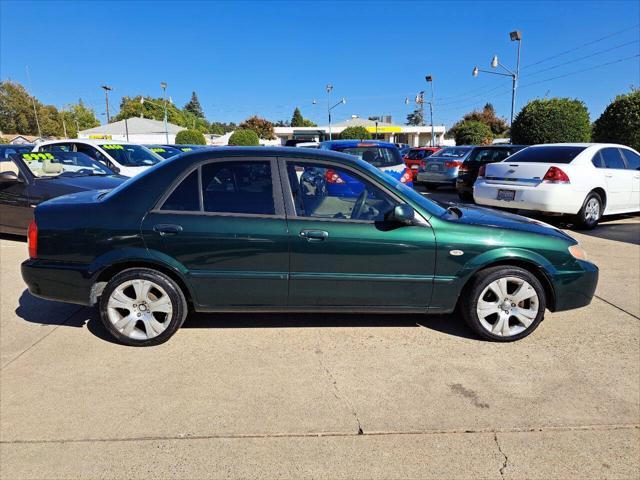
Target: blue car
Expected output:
[382,155]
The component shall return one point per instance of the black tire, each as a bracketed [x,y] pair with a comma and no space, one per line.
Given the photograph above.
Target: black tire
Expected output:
[174,293]
[584,219]
[431,186]
[483,279]
[465,196]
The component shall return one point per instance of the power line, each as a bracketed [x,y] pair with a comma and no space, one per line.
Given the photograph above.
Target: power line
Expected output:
[582,46]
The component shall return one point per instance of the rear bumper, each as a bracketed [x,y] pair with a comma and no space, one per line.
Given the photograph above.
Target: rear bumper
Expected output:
[63,282]
[575,289]
[552,198]
[448,177]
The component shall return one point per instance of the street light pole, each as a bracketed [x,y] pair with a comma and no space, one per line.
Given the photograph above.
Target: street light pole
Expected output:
[163,85]
[329,88]
[515,36]
[107,89]
[429,79]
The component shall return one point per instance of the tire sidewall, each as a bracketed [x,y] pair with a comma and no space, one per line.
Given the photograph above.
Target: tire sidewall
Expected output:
[485,278]
[178,303]
[581,220]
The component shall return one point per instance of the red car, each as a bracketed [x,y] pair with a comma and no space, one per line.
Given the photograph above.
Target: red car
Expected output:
[415,158]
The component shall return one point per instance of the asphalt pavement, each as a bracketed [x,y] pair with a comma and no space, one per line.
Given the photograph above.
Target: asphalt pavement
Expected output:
[326,396]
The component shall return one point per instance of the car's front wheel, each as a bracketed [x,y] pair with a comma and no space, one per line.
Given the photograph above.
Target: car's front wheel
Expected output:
[504,303]
[142,307]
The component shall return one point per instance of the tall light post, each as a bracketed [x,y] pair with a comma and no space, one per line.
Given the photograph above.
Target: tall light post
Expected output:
[107,89]
[429,79]
[515,36]
[163,85]
[329,88]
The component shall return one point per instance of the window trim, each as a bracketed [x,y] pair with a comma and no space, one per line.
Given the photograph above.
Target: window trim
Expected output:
[624,155]
[276,190]
[290,204]
[624,159]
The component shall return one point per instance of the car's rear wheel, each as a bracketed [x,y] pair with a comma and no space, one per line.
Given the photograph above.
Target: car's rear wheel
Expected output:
[142,307]
[590,213]
[504,303]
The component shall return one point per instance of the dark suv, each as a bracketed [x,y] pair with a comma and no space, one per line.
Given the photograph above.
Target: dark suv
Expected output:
[468,172]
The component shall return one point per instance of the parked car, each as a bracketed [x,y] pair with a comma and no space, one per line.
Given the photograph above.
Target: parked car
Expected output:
[403,148]
[468,171]
[382,155]
[27,179]
[415,158]
[185,147]
[125,158]
[11,149]
[585,181]
[441,168]
[165,151]
[234,229]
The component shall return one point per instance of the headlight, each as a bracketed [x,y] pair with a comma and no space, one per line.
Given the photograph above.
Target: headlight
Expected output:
[578,252]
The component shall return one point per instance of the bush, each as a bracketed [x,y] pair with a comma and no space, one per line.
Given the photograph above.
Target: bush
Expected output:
[262,127]
[355,133]
[553,120]
[620,122]
[190,137]
[244,137]
[473,133]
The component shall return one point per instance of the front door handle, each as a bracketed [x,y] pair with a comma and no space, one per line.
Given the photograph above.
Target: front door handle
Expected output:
[314,235]
[167,229]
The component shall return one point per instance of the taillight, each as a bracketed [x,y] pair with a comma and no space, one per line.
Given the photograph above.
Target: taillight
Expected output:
[32,239]
[481,171]
[332,177]
[555,175]
[406,177]
[463,169]
[452,163]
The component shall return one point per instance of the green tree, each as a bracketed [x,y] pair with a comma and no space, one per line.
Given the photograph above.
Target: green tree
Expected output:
[355,133]
[217,129]
[194,106]
[308,123]
[415,117]
[244,137]
[297,120]
[17,112]
[487,115]
[553,120]
[473,133]
[222,127]
[78,116]
[620,122]
[190,137]
[262,127]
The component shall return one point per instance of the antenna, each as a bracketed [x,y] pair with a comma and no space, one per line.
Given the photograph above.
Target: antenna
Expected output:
[33,100]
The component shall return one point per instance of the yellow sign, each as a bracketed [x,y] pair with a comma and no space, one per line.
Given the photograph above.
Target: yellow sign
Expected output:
[100,137]
[381,129]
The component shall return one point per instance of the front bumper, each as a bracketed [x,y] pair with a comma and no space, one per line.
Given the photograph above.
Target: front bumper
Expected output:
[575,289]
[58,281]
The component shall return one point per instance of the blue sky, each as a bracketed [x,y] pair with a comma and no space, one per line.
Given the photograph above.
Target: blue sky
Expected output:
[265,58]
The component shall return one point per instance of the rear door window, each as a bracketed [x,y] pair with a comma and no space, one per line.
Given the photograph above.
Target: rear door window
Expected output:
[597,161]
[186,196]
[612,158]
[633,159]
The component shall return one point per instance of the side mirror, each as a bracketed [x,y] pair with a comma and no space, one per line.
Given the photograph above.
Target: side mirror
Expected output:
[402,214]
[9,177]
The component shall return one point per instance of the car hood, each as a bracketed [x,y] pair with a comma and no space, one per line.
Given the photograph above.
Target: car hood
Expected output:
[504,220]
[76,184]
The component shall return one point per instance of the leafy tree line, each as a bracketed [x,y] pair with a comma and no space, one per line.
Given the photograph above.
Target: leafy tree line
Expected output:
[17,114]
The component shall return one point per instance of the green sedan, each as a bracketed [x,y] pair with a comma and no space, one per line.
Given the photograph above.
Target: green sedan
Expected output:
[258,229]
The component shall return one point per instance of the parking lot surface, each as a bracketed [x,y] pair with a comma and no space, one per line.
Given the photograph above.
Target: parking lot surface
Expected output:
[335,396]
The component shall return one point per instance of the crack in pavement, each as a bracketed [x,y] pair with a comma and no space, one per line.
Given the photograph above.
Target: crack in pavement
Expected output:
[550,428]
[336,390]
[616,306]
[506,459]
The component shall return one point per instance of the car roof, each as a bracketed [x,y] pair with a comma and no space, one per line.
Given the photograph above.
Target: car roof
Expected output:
[270,152]
[501,145]
[90,141]
[356,143]
[585,145]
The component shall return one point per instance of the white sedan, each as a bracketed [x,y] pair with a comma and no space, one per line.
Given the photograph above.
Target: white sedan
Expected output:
[584,180]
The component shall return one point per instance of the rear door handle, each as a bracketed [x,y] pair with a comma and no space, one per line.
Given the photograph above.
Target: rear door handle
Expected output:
[167,229]
[314,235]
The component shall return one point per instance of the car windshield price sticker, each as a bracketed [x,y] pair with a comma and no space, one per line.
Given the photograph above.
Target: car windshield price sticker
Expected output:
[113,147]
[35,157]
[158,150]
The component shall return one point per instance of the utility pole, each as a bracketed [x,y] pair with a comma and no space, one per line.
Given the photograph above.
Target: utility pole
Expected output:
[163,85]
[429,79]
[33,101]
[107,89]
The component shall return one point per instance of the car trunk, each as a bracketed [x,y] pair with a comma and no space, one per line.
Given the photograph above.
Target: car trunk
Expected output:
[507,173]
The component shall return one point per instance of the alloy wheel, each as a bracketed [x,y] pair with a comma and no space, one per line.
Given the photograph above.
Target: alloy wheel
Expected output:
[592,211]
[507,306]
[139,309]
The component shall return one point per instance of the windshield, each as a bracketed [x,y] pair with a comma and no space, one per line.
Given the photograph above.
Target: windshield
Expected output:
[131,155]
[164,152]
[59,164]
[7,150]
[547,154]
[429,205]
[451,152]
[375,155]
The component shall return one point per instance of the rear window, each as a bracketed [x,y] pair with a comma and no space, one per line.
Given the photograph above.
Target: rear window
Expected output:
[550,154]
[452,152]
[418,154]
[488,155]
[375,155]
